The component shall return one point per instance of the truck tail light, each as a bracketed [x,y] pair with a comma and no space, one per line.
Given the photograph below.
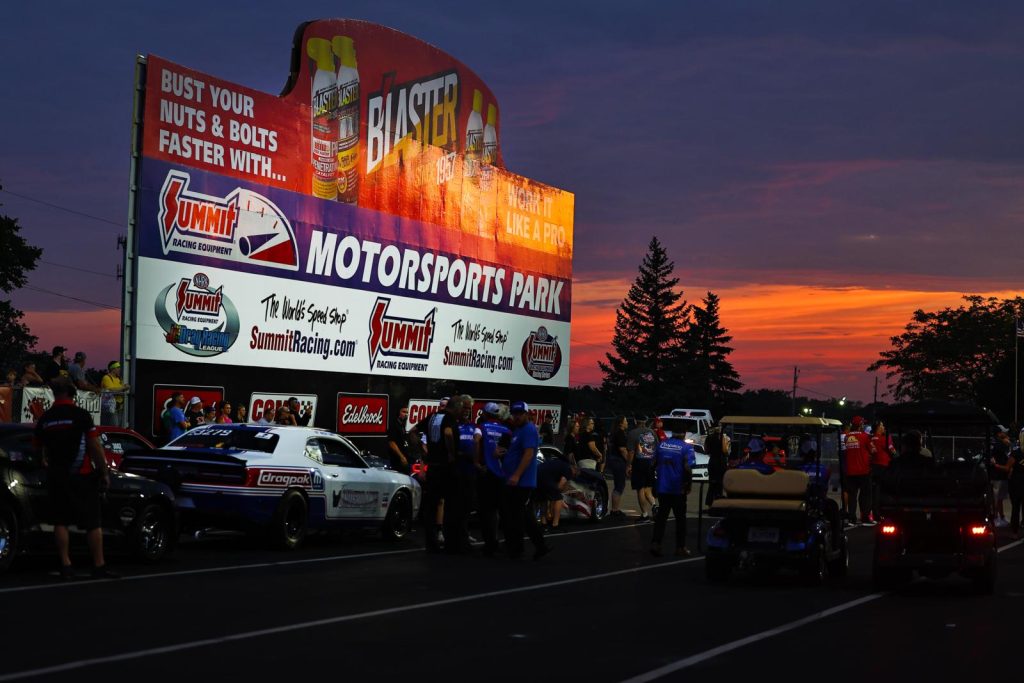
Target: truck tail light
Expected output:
[888,529]
[978,530]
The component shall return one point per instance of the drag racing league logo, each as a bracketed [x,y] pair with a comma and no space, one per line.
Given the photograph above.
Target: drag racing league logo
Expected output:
[399,337]
[197,319]
[542,357]
[243,227]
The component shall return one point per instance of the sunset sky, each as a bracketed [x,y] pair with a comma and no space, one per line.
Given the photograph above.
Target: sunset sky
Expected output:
[825,167]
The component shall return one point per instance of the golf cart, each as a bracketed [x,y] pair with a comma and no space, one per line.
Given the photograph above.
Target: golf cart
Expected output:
[776,512]
[936,510]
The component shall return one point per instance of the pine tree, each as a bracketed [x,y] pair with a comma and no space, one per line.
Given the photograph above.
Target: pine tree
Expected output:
[643,373]
[712,381]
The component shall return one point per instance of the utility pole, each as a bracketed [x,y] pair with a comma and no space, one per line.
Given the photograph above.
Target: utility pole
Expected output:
[876,390]
[795,373]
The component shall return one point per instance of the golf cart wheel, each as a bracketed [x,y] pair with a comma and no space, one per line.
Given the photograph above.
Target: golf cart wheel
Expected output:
[841,564]
[815,571]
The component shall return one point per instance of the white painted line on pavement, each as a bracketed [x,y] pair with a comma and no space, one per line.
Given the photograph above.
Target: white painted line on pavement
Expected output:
[757,637]
[329,621]
[264,565]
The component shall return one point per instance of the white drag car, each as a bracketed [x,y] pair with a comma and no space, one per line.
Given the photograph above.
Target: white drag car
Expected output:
[281,480]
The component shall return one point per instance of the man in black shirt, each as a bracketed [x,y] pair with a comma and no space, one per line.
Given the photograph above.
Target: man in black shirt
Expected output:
[442,430]
[398,443]
[52,368]
[302,417]
[618,458]
[76,475]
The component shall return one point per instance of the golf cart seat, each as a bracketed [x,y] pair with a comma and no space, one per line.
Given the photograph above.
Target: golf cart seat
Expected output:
[783,490]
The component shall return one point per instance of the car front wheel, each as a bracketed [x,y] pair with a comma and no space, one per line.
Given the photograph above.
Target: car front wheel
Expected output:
[398,522]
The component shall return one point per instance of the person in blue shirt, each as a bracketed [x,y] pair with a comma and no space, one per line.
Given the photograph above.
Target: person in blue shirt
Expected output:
[755,459]
[490,483]
[673,462]
[458,499]
[520,468]
[177,424]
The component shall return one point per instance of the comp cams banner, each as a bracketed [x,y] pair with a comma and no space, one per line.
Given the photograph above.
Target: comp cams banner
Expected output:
[218,316]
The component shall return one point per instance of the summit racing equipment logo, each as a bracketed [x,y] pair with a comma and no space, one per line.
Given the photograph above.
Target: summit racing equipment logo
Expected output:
[542,356]
[197,319]
[401,337]
[243,227]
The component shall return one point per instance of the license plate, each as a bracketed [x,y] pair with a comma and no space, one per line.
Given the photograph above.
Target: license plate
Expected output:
[762,534]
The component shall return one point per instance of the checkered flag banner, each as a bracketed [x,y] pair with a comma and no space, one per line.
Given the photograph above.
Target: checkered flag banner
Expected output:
[1019,324]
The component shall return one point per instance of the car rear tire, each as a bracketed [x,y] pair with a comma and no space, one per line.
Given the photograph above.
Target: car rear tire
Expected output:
[151,534]
[600,505]
[890,578]
[717,569]
[8,538]
[985,580]
[288,528]
[398,521]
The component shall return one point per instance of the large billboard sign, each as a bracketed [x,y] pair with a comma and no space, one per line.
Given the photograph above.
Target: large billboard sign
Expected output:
[361,222]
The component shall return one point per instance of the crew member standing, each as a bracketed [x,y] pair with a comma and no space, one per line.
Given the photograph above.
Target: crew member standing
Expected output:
[881,457]
[859,452]
[467,461]
[491,482]
[398,443]
[442,430]
[673,461]
[618,465]
[520,467]
[76,475]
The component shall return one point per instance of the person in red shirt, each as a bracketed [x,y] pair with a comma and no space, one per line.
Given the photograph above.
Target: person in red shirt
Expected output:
[859,452]
[880,460]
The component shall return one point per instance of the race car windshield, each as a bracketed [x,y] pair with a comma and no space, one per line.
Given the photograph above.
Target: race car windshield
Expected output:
[228,439]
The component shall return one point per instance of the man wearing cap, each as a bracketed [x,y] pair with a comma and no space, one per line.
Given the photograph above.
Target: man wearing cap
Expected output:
[755,460]
[175,423]
[520,467]
[54,366]
[496,438]
[76,370]
[442,432]
[302,417]
[194,415]
[112,403]
[859,452]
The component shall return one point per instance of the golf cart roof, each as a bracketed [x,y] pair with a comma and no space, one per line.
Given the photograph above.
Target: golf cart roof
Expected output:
[799,420]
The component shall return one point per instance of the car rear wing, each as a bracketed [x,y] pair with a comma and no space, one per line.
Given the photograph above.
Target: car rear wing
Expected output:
[176,467]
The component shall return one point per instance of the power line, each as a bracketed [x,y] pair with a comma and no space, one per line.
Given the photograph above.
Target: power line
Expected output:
[73,298]
[83,270]
[65,208]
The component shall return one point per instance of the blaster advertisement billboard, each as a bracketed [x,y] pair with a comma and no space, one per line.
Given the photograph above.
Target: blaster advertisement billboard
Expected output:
[361,222]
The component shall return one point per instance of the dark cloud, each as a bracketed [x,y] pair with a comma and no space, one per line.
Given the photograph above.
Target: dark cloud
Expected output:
[838,143]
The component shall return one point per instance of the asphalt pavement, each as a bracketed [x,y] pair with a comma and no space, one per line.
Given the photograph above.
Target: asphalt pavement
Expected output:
[598,608]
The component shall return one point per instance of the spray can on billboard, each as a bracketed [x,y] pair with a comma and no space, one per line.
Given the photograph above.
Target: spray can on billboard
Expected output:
[323,121]
[490,148]
[348,119]
[474,135]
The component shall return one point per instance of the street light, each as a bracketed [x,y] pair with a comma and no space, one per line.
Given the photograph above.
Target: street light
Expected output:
[807,410]
[842,401]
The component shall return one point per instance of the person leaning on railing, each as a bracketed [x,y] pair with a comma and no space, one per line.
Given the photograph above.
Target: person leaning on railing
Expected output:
[112,400]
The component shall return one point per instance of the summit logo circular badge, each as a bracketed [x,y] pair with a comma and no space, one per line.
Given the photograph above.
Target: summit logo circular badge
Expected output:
[542,356]
[196,318]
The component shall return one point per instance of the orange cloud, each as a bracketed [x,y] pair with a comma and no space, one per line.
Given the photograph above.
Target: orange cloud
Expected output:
[832,334]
